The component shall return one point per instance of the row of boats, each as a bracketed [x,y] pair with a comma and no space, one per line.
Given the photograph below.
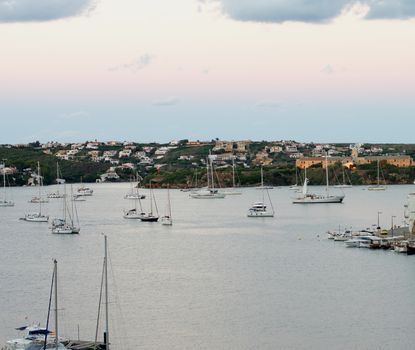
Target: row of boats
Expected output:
[378,239]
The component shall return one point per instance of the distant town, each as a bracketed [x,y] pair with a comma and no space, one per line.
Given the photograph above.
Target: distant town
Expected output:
[182,163]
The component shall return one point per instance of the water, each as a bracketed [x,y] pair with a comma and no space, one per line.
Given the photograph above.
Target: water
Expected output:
[215,279]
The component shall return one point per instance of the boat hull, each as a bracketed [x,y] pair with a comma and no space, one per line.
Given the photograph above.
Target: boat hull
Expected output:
[323,200]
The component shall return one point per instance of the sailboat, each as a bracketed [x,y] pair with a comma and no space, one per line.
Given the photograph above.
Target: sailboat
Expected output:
[37,337]
[167,219]
[259,209]
[5,202]
[133,193]
[311,198]
[378,186]
[59,180]
[37,217]
[234,190]
[262,186]
[84,191]
[344,184]
[66,224]
[295,186]
[209,192]
[133,213]
[150,217]
[39,184]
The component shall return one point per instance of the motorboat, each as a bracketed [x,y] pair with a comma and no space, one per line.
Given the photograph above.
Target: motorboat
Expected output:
[259,209]
[36,217]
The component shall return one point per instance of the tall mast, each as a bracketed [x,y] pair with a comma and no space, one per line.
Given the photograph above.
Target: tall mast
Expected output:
[378,173]
[38,184]
[168,198]
[4,179]
[107,334]
[211,172]
[327,176]
[56,305]
[207,172]
[151,199]
[262,185]
[233,171]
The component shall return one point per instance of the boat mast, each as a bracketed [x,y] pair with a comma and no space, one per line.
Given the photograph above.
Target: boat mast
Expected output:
[262,186]
[107,334]
[56,304]
[4,179]
[207,172]
[38,184]
[327,177]
[211,172]
[151,199]
[378,173]
[168,199]
[233,172]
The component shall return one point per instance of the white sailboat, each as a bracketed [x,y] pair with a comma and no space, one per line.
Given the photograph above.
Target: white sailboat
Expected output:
[37,337]
[167,219]
[344,184]
[378,186]
[133,213]
[39,183]
[295,186]
[262,186]
[311,198]
[84,191]
[5,202]
[37,216]
[209,192]
[259,209]
[133,193]
[69,223]
[233,191]
[59,180]
[150,216]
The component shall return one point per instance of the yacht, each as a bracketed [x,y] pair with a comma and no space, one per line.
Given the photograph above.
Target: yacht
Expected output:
[150,217]
[378,186]
[69,223]
[311,198]
[209,192]
[37,216]
[234,190]
[259,209]
[167,218]
[59,180]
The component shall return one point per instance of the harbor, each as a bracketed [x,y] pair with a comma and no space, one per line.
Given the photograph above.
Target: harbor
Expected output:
[214,273]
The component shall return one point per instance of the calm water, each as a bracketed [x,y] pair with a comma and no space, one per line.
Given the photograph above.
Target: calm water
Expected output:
[216,279]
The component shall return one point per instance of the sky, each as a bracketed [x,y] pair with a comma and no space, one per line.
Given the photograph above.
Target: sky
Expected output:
[139,70]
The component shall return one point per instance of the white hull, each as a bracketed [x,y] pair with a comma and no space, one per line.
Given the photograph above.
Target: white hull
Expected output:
[231,193]
[66,230]
[36,218]
[167,221]
[376,188]
[343,186]
[260,214]
[134,196]
[6,204]
[318,200]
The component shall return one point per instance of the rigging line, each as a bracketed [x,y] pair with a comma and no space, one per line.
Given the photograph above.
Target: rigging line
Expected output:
[99,303]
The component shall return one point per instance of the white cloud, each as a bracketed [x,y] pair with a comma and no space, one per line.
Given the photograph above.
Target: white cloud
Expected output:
[314,11]
[75,115]
[328,69]
[170,101]
[135,65]
[43,10]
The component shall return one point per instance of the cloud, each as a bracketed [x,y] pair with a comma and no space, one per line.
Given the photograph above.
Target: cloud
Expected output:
[170,101]
[75,115]
[313,11]
[43,10]
[268,104]
[328,69]
[135,65]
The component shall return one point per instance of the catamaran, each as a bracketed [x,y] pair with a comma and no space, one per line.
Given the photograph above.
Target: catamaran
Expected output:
[311,198]
[4,202]
[259,209]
